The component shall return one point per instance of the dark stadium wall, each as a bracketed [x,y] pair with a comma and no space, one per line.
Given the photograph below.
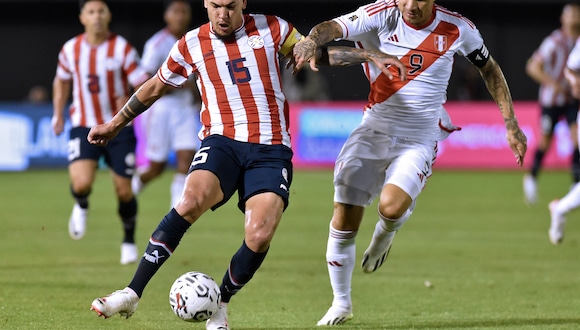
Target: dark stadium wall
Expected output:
[33,32]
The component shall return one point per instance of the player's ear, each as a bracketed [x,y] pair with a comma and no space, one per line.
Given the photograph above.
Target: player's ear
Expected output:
[244,4]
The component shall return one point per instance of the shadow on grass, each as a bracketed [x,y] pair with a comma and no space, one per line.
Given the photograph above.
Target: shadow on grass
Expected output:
[455,324]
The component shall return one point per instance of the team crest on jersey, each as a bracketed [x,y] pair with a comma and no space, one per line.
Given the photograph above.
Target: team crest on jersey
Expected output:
[353,18]
[256,42]
[441,43]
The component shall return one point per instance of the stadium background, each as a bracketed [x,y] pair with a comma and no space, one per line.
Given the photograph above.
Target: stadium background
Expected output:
[33,32]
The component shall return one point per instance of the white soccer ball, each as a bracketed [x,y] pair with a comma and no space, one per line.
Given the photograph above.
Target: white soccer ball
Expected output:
[194,297]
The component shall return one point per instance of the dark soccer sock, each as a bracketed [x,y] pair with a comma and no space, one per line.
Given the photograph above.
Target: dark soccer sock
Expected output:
[243,266]
[81,199]
[162,243]
[538,157]
[128,213]
[576,165]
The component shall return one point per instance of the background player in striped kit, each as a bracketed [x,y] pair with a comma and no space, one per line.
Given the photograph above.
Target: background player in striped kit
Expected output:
[546,67]
[559,208]
[391,153]
[173,121]
[246,143]
[99,67]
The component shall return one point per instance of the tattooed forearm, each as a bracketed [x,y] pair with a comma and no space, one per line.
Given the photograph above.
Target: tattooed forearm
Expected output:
[499,90]
[133,108]
[325,32]
[345,56]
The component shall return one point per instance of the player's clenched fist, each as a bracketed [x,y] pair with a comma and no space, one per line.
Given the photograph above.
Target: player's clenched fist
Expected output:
[102,134]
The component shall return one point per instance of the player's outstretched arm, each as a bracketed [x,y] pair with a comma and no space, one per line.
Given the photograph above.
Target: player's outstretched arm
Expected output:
[499,90]
[305,50]
[345,56]
[138,103]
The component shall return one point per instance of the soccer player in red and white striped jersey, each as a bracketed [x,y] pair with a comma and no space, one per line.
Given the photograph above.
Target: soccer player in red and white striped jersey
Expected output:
[246,140]
[391,153]
[99,67]
[546,67]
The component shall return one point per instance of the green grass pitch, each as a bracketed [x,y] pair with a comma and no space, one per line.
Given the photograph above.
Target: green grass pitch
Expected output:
[486,254]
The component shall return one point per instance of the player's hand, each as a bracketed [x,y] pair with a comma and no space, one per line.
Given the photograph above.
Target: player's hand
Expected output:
[304,52]
[101,134]
[57,125]
[518,143]
[387,63]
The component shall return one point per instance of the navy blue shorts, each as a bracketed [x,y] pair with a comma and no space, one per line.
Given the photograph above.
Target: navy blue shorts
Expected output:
[551,116]
[249,168]
[119,153]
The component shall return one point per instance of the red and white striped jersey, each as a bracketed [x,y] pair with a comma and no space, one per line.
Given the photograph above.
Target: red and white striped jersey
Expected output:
[239,79]
[412,108]
[100,74]
[553,54]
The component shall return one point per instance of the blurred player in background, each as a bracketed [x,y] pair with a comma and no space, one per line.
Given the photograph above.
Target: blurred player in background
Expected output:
[98,67]
[559,208]
[546,67]
[391,153]
[172,122]
[246,141]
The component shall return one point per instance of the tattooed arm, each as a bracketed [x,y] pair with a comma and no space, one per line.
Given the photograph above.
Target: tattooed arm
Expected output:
[345,56]
[305,50]
[138,103]
[499,90]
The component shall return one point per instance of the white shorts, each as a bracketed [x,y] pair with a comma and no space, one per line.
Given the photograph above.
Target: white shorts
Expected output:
[370,159]
[170,124]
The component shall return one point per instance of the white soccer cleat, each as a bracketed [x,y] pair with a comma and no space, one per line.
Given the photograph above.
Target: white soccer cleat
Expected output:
[530,190]
[378,251]
[335,316]
[129,253]
[123,302]
[219,320]
[77,222]
[557,223]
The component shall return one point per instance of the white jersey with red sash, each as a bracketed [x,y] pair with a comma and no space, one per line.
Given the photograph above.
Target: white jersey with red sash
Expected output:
[411,108]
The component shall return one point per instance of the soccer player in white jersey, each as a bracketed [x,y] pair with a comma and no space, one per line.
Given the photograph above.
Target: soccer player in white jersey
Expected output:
[546,67]
[173,121]
[245,139]
[99,67]
[391,153]
[559,208]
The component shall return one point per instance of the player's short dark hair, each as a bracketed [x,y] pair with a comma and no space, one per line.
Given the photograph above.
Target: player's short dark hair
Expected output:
[168,3]
[83,2]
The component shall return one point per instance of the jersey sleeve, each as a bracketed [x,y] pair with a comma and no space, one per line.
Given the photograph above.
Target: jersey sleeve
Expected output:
[364,20]
[175,70]
[136,74]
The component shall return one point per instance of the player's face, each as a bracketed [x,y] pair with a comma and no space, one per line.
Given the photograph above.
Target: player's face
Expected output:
[95,17]
[178,16]
[570,19]
[225,16]
[416,12]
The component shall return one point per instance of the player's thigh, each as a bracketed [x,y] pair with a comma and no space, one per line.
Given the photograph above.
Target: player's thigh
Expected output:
[220,156]
[120,153]
[83,159]
[268,168]
[359,171]
[412,166]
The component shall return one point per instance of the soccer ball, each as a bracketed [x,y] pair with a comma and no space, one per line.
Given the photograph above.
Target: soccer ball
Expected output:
[194,297]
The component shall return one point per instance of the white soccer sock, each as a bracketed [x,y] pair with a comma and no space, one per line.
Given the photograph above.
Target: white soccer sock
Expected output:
[177,186]
[340,258]
[393,224]
[569,202]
